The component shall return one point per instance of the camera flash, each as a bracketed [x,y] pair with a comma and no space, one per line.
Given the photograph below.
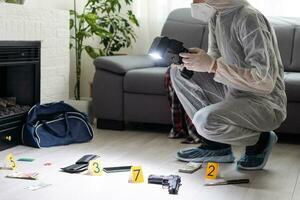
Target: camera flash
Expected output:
[155,55]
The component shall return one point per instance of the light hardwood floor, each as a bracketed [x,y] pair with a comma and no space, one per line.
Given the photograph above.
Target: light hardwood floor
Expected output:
[155,153]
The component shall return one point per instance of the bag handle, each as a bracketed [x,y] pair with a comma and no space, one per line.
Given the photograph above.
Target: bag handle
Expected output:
[46,110]
[58,133]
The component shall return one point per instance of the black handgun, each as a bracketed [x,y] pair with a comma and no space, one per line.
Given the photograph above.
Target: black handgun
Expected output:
[173,182]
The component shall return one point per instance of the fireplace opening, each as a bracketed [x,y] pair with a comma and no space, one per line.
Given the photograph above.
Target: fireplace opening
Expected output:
[9,106]
[19,87]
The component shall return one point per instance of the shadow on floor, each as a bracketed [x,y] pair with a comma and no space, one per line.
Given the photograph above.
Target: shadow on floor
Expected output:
[288,138]
[145,127]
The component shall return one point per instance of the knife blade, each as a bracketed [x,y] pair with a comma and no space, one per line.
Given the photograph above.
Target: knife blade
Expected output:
[228,182]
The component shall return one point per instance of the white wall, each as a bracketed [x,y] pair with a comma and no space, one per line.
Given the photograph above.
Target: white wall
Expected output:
[88,69]
[87,66]
[59,4]
[51,27]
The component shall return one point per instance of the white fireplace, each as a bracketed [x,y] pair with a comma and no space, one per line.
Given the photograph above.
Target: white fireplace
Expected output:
[51,27]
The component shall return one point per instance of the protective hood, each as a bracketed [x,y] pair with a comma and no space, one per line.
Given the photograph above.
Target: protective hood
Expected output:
[222,5]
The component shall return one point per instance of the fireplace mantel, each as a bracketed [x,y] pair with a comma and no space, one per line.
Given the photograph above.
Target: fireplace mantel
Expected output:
[51,27]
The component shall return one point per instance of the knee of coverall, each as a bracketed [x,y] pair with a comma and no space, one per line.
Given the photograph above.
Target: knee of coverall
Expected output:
[209,125]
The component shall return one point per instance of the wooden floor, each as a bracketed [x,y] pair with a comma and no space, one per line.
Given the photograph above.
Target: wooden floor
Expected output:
[155,153]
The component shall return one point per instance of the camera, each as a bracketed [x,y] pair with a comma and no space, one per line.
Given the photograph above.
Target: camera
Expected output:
[168,50]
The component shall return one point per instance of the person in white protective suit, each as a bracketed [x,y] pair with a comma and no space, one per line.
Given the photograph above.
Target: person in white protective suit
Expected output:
[237,93]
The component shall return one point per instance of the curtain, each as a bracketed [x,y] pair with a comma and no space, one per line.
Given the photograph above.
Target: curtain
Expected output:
[153,13]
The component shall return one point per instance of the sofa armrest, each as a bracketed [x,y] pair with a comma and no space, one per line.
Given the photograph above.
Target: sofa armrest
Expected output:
[122,64]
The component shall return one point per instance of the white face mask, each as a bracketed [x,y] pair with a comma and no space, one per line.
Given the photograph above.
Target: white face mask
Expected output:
[202,11]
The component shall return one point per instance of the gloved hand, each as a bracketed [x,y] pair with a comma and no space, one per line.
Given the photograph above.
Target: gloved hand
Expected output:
[198,60]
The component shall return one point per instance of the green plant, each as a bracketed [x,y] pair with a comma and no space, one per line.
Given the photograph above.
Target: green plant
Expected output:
[101,19]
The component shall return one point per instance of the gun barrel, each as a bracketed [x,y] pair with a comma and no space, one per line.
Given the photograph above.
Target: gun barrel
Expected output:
[153,179]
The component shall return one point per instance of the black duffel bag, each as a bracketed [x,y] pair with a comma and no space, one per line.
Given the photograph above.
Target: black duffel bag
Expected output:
[55,124]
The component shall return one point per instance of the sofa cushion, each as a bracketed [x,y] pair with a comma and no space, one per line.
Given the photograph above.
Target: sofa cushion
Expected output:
[122,64]
[285,44]
[181,26]
[296,58]
[292,84]
[145,81]
[288,36]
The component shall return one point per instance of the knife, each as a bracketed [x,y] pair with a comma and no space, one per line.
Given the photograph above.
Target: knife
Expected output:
[229,182]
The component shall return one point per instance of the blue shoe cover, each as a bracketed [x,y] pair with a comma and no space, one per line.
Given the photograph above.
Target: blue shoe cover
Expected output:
[257,162]
[204,155]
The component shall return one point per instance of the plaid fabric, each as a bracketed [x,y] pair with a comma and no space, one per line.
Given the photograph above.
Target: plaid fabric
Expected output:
[191,129]
[181,121]
[177,111]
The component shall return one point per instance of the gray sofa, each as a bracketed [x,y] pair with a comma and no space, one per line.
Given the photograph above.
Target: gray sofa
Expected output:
[131,88]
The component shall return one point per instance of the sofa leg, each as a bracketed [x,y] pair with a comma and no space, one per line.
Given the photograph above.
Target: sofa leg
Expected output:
[110,124]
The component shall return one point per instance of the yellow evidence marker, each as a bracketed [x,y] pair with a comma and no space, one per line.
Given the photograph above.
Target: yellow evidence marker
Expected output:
[212,171]
[11,161]
[137,174]
[95,168]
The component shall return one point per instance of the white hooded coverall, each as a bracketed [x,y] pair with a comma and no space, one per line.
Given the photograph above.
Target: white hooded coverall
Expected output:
[246,96]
